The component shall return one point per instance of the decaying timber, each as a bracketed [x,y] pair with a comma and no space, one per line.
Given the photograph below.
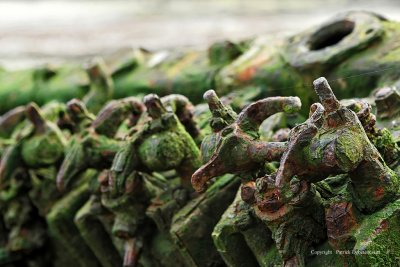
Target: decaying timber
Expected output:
[125,171]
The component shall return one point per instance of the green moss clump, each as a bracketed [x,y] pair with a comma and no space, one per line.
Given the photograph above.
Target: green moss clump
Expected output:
[42,150]
[350,150]
[378,242]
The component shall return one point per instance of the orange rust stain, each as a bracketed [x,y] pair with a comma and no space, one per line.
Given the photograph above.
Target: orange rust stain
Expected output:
[247,74]
[250,70]
[340,220]
[379,192]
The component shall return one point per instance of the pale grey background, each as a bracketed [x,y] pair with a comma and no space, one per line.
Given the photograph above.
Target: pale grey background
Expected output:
[35,32]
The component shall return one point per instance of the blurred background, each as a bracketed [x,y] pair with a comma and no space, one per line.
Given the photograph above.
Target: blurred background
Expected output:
[37,32]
